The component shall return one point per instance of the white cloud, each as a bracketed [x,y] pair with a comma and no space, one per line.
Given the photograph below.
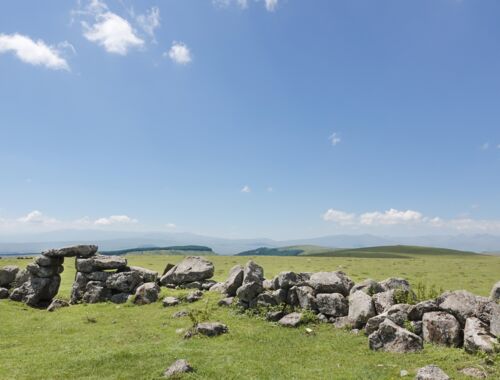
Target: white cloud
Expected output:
[33,52]
[179,53]
[340,217]
[149,21]
[335,139]
[391,216]
[271,5]
[36,217]
[243,4]
[246,189]
[115,219]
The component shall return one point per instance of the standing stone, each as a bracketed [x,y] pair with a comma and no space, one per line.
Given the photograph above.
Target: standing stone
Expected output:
[146,293]
[495,292]
[77,250]
[477,338]
[78,288]
[178,368]
[333,305]
[253,273]
[331,282]
[431,372]
[441,328]
[253,277]
[361,309]
[234,281]
[8,275]
[392,338]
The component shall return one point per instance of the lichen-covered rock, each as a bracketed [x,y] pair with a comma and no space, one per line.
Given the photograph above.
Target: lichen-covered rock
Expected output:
[95,292]
[178,368]
[211,328]
[291,320]
[44,271]
[392,338]
[361,309]
[331,282]
[431,372]
[77,250]
[368,286]
[332,304]
[99,263]
[146,293]
[126,282]
[461,304]
[57,304]
[8,275]
[37,291]
[477,337]
[394,283]
[383,301]
[441,328]
[192,268]
[234,280]
[417,311]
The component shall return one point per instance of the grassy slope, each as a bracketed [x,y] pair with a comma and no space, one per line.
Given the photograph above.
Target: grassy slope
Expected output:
[139,342]
[392,251]
[293,250]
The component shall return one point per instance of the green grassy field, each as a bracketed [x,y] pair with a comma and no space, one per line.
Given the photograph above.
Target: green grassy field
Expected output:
[139,342]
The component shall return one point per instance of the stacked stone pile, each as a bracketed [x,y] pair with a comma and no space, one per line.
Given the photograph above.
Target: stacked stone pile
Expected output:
[457,319]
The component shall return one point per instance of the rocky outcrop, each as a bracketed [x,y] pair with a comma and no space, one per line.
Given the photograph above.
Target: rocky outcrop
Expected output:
[192,268]
[392,338]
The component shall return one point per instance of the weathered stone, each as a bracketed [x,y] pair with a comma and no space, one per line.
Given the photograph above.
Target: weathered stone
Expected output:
[37,290]
[461,304]
[495,292]
[77,250]
[126,282]
[474,372]
[211,328]
[373,323]
[383,301]
[8,275]
[95,292]
[194,296]
[397,313]
[285,280]
[332,304]
[228,301]
[78,288]
[331,282]
[248,291]
[146,293]
[417,311]
[170,301]
[268,285]
[394,283]
[147,275]
[274,316]
[477,338]
[99,263]
[302,296]
[178,368]
[253,273]
[361,309]
[291,320]
[207,284]
[21,277]
[323,318]
[44,271]
[192,268]
[4,293]
[98,276]
[441,328]
[45,261]
[167,268]
[341,322]
[57,304]
[431,372]
[392,338]
[234,281]
[218,287]
[368,286]
[120,298]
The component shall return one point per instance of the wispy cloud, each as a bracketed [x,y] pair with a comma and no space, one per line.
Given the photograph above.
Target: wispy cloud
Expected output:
[271,5]
[335,139]
[36,217]
[246,189]
[36,53]
[115,219]
[149,21]
[485,146]
[179,53]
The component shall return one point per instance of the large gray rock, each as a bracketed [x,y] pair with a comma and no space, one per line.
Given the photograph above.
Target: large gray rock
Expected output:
[431,372]
[177,369]
[8,275]
[394,283]
[78,288]
[495,292]
[477,337]
[285,280]
[77,250]
[441,328]
[44,271]
[392,338]
[417,311]
[361,309]
[461,304]
[234,280]
[96,292]
[253,273]
[192,268]
[271,298]
[302,296]
[99,263]
[146,293]
[331,282]
[211,328]
[332,304]
[126,282]
[147,275]
[397,313]
[37,291]
[383,301]
[45,261]
[248,292]
[57,304]
[291,320]
[21,277]
[4,293]
[368,286]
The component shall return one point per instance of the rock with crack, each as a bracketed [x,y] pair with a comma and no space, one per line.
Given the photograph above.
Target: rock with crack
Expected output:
[95,292]
[177,369]
[442,328]
[461,304]
[192,268]
[147,293]
[269,298]
[291,320]
[431,372]
[146,275]
[477,337]
[392,338]
[126,282]
[45,261]
[211,329]
[361,309]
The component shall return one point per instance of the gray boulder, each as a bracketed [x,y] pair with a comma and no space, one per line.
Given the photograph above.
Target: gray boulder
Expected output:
[192,268]
[211,328]
[383,301]
[417,311]
[97,276]
[291,320]
[146,293]
[249,291]
[170,301]
[77,250]
[45,261]
[394,283]
[477,337]
[332,304]
[392,338]
[234,281]
[331,282]
[147,275]
[218,287]
[441,328]
[461,304]
[44,271]
[99,263]
[78,288]
[397,313]
[8,275]
[474,372]
[96,292]
[57,304]
[177,369]
[302,296]
[21,277]
[431,372]
[37,291]
[495,292]
[126,282]
[253,273]
[4,293]
[368,286]
[361,309]
[120,298]
[271,298]
[285,280]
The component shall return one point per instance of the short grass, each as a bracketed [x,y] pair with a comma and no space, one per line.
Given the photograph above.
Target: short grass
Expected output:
[108,341]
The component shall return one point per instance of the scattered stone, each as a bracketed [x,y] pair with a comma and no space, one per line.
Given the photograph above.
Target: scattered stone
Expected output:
[8,275]
[192,268]
[403,373]
[361,309]
[477,338]
[333,304]
[180,314]
[285,280]
[368,286]
[77,250]
[417,311]
[126,282]
[331,282]
[495,292]
[431,372]
[211,328]
[194,296]
[392,338]
[99,263]
[170,301]
[57,304]
[4,293]
[146,293]
[207,284]
[218,287]
[441,328]
[179,367]
[383,301]
[291,320]
[234,281]
[228,301]
[274,316]
[474,372]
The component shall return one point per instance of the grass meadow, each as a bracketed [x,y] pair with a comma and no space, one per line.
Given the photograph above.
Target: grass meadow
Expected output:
[107,341]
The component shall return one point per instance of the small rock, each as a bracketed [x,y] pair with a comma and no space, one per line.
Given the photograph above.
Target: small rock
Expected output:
[180,366]
[180,314]
[474,372]
[211,328]
[291,320]
[57,304]
[431,372]
[4,293]
[274,316]
[228,301]
[170,301]
[403,373]
[194,296]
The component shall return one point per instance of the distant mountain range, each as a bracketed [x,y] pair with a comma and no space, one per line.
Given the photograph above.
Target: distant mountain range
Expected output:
[110,241]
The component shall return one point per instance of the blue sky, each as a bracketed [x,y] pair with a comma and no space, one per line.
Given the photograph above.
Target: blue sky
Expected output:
[281,119]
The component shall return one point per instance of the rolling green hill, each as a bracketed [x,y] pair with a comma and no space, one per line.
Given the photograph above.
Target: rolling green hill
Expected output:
[294,250]
[183,250]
